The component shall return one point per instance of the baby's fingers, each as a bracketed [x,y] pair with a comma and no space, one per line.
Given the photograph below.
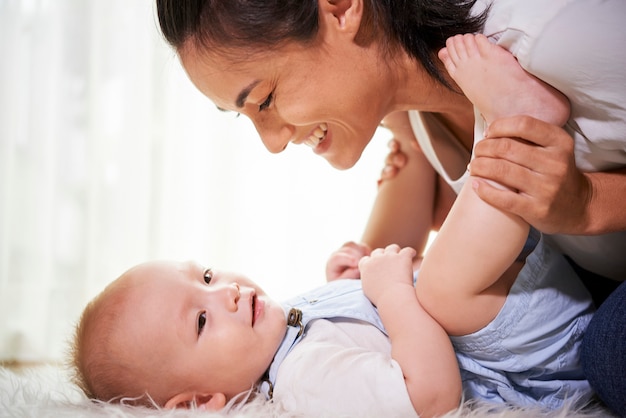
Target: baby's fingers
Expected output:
[409,252]
[392,249]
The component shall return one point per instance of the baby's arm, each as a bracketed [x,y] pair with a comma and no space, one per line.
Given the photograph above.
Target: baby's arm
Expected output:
[418,343]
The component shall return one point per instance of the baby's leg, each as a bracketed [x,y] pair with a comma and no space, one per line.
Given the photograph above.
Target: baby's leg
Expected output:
[493,80]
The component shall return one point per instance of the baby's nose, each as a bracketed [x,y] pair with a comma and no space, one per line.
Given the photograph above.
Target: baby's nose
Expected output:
[232,296]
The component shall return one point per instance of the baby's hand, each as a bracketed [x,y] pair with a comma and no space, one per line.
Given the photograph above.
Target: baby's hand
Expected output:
[386,269]
[344,263]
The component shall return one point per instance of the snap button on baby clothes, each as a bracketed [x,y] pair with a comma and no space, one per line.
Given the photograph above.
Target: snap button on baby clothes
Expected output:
[294,318]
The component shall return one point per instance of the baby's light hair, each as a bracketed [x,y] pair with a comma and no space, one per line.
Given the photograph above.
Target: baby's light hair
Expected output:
[96,360]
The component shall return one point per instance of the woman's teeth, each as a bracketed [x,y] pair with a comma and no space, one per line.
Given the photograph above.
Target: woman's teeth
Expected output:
[317,136]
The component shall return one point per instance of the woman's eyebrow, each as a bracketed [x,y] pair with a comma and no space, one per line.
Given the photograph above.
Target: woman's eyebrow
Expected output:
[243,95]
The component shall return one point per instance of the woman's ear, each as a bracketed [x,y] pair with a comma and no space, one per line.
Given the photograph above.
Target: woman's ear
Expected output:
[206,401]
[342,15]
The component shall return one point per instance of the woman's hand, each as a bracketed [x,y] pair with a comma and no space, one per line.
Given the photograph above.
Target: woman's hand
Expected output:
[386,268]
[399,125]
[344,263]
[395,160]
[536,160]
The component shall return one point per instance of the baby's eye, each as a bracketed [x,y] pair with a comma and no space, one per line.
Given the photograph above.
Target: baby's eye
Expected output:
[201,322]
[208,275]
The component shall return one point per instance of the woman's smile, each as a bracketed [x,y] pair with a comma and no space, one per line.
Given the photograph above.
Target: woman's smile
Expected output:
[317,135]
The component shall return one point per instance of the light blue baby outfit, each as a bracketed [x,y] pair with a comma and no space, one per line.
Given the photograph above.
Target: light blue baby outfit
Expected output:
[530,352]
[342,299]
[528,355]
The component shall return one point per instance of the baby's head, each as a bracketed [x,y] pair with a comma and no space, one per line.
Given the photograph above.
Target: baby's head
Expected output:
[179,333]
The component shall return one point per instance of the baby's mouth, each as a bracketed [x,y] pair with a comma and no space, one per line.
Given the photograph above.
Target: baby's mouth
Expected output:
[317,135]
[253,308]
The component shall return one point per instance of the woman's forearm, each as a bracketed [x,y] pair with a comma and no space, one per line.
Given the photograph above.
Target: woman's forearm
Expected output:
[404,210]
[606,207]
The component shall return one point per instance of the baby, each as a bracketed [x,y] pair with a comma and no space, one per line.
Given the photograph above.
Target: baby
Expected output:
[187,335]
[476,324]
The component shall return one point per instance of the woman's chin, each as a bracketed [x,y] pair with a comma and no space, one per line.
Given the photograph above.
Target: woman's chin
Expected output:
[340,158]
[342,162]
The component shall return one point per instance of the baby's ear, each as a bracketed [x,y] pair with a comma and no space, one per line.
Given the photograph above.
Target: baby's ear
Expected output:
[206,401]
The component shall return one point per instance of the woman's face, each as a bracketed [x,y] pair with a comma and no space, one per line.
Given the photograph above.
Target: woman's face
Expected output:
[330,95]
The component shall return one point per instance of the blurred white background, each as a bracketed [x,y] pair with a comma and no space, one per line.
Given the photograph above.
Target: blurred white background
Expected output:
[110,157]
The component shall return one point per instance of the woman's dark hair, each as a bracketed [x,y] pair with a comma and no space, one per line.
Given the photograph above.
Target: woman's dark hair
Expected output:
[421,27]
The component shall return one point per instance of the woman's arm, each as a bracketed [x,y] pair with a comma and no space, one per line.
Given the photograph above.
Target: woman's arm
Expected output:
[404,210]
[418,343]
[408,206]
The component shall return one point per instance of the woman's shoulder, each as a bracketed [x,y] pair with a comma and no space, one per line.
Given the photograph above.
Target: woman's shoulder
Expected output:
[515,24]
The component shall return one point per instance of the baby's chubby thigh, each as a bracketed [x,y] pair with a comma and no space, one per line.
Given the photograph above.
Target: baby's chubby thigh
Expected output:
[542,321]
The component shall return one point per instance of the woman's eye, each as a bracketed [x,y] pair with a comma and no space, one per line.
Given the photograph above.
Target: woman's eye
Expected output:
[208,275]
[266,103]
[201,322]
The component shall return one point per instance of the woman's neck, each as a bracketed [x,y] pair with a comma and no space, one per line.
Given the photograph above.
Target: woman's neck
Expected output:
[417,90]
[461,124]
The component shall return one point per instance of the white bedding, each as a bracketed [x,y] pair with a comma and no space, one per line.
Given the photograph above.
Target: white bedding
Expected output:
[47,392]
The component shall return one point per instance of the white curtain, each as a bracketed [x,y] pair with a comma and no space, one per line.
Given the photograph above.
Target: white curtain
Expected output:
[109,157]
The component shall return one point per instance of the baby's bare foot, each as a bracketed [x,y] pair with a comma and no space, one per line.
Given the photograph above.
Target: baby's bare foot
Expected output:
[493,80]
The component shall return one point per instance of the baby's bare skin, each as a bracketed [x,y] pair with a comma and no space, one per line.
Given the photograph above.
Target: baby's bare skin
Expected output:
[493,80]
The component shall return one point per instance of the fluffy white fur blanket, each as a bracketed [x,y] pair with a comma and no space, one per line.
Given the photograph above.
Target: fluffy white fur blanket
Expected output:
[47,392]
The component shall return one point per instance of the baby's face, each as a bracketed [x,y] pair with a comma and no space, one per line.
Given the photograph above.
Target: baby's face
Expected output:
[206,331]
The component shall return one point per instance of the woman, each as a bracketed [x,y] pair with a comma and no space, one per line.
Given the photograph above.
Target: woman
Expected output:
[326,73]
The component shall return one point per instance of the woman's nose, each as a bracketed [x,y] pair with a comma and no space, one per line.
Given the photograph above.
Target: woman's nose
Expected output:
[275,134]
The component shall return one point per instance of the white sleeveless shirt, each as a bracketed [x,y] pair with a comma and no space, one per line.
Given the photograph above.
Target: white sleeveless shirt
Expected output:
[577,46]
